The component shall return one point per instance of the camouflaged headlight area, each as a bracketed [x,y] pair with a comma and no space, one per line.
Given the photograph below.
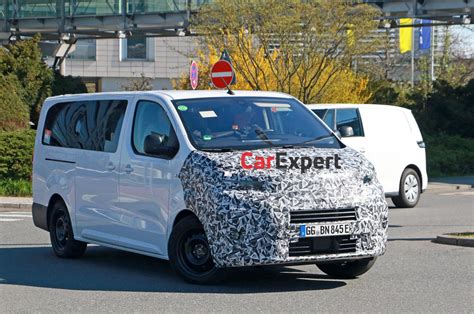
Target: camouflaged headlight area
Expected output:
[246,213]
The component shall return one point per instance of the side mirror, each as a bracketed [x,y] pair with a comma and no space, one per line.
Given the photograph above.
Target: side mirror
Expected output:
[346,131]
[154,145]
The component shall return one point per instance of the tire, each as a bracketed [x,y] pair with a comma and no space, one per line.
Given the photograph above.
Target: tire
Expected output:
[409,190]
[62,235]
[190,255]
[347,269]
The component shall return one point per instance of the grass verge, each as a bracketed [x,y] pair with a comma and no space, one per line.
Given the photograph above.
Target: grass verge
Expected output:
[10,187]
[468,235]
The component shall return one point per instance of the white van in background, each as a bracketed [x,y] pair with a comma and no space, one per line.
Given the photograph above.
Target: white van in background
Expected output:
[390,138]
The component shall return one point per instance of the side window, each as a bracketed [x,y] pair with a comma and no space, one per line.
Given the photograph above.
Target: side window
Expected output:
[89,125]
[349,118]
[327,115]
[153,134]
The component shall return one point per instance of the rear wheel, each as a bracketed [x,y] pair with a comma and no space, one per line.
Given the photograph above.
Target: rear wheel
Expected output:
[61,234]
[347,269]
[190,254]
[410,190]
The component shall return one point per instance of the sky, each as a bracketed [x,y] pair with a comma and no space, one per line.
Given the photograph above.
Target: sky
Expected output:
[466,36]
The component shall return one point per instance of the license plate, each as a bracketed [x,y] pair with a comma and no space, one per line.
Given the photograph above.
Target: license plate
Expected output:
[324,230]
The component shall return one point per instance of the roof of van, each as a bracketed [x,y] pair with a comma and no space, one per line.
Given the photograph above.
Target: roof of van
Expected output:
[179,94]
[325,106]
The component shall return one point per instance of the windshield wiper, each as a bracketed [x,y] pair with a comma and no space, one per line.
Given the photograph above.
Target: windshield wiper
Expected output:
[319,138]
[261,134]
[220,150]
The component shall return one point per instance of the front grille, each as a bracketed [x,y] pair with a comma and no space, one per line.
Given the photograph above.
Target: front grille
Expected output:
[327,215]
[323,245]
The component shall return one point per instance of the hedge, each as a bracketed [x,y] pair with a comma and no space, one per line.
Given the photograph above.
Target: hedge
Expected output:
[16,154]
[449,155]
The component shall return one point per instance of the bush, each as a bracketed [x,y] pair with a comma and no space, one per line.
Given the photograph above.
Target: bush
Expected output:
[9,187]
[14,112]
[67,85]
[449,155]
[16,154]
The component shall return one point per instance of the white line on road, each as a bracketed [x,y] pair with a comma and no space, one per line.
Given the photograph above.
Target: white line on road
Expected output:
[8,215]
[9,219]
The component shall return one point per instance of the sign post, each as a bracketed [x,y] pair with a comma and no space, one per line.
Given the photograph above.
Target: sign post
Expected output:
[225,56]
[193,74]
[222,74]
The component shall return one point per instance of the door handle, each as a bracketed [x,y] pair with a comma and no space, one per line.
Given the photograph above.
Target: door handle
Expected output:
[128,168]
[110,166]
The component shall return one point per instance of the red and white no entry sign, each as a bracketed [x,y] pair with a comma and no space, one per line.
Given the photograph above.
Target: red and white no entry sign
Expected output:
[222,74]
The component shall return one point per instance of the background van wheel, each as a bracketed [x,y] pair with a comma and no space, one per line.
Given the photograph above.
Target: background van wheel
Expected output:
[61,234]
[347,269]
[190,254]
[409,190]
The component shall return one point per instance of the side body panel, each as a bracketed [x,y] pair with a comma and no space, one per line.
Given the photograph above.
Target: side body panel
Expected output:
[148,187]
[420,153]
[390,144]
[54,170]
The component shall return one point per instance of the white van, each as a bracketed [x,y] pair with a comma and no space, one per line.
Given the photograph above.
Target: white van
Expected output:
[207,180]
[390,138]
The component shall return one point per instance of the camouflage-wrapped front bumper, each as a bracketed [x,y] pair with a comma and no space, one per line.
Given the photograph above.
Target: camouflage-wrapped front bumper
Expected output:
[246,214]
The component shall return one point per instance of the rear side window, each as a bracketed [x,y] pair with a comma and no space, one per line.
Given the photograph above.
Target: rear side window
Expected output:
[89,125]
[349,117]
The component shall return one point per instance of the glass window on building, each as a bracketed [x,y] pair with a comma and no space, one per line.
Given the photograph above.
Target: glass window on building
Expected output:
[137,48]
[85,50]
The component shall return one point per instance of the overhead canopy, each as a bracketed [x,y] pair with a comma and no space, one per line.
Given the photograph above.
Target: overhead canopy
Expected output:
[451,11]
[96,19]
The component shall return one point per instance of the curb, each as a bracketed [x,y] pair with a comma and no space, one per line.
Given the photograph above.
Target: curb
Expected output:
[440,187]
[17,203]
[452,240]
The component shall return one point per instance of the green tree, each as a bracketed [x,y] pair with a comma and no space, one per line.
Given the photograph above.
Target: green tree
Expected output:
[67,85]
[14,112]
[23,59]
[454,66]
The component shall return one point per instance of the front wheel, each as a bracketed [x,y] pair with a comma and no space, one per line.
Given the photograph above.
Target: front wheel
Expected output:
[347,269]
[410,190]
[190,254]
[61,234]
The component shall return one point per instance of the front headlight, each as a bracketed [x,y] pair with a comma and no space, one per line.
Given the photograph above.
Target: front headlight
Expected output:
[246,183]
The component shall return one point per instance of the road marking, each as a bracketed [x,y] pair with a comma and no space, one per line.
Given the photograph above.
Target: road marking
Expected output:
[13,216]
[9,215]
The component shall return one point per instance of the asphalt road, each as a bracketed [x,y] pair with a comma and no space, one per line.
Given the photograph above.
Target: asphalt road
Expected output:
[415,274]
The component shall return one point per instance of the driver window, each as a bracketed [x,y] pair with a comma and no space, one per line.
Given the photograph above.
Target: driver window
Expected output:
[152,119]
[349,118]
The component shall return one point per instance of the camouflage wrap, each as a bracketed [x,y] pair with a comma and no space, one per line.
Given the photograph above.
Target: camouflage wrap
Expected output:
[246,213]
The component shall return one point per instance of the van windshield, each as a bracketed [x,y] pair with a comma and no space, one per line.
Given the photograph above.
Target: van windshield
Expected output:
[239,123]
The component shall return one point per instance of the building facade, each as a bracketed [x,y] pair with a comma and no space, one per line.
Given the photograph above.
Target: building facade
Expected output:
[111,63]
